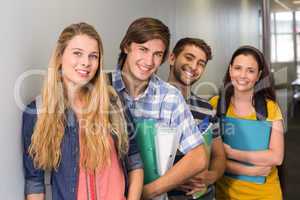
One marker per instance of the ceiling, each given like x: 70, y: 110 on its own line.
x: 284, y: 5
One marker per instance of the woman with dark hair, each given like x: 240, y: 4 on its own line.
x: 247, y: 105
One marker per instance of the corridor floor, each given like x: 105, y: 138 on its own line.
x: 292, y: 159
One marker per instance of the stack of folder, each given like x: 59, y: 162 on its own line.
x: 158, y: 145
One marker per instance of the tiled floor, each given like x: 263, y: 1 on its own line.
x: 292, y: 162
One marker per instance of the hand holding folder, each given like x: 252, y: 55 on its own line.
x: 158, y: 145
x: 206, y: 132
x: 246, y: 135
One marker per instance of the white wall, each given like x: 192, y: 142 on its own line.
x: 224, y: 25
x: 29, y: 30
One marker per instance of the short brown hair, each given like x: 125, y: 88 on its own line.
x: 143, y: 30
x: 192, y: 41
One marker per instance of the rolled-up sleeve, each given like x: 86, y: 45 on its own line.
x: 34, y: 178
x: 182, y: 118
x: 134, y: 158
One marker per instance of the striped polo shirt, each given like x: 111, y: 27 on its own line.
x: 201, y: 109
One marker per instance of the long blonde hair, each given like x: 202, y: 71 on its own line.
x: 45, y: 148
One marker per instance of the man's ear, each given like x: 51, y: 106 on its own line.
x: 126, y: 49
x: 172, y: 59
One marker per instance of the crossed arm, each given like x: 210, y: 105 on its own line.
x: 210, y: 175
x: 192, y: 163
x: 263, y: 161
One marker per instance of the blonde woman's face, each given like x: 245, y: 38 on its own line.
x: 80, y: 61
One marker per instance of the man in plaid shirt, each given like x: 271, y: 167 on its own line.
x: 143, y: 49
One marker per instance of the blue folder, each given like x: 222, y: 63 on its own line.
x: 247, y: 135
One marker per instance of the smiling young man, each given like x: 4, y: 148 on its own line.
x: 143, y: 49
x: 187, y: 64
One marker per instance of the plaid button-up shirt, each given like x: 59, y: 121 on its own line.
x: 165, y: 104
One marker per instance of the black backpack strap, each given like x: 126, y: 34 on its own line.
x: 133, y: 148
x: 127, y: 114
x: 260, y: 106
x: 221, y: 105
x: 221, y: 112
x: 109, y: 76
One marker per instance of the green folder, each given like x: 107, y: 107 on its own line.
x: 146, y: 132
x: 207, y: 139
x: 207, y: 136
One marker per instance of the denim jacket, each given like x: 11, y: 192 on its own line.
x: 64, y: 180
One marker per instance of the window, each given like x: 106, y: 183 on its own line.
x: 297, y: 31
x: 282, y: 45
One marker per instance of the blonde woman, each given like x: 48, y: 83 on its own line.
x: 78, y: 131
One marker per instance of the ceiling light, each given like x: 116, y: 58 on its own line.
x: 282, y: 4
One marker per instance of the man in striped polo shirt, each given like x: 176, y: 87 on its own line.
x: 187, y: 64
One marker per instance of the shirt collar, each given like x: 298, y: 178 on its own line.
x: 71, y: 118
x: 119, y: 84
x: 153, y: 84
x: 117, y: 80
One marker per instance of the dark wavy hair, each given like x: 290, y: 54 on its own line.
x: 264, y: 87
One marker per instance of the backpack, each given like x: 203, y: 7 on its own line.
x: 260, y: 106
